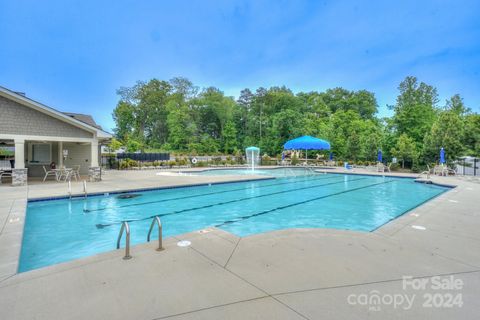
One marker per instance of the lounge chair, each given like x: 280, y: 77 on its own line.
x: 49, y: 173
x: 428, y: 172
x: 383, y: 168
x: 5, y: 174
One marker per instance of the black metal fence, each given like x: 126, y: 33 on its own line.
x: 144, y: 156
x: 112, y: 161
x: 468, y: 166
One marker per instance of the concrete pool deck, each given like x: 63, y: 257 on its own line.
x: 288, y: 274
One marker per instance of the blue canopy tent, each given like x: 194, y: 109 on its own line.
x: 307, y: 143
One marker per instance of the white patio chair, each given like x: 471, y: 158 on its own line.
x: 49, y: 173
x: 76, y: 172
x: 428, y: 172
x: 388, y: 167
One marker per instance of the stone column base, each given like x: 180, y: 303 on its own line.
x: 94, y: 174
x: 19, y: 177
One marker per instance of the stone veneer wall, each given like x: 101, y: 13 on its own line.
x: 95, y: 174
x: 18, y: 119
x: 19, y: 177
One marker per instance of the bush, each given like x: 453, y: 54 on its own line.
x: 394, y: 166
x: 201, y: 164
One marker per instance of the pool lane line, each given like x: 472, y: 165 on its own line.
x: 296, y: 204
x: 100, y: 225
x: 205, y: 194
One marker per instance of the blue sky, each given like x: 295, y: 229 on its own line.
x: 73, y: 55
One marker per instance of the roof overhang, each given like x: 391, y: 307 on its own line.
x: 100, y: 134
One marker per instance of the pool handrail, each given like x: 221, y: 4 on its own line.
x: 125, y: 227
x: 85, y: 189
x: 159, y: 223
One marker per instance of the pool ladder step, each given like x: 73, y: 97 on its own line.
x: 69, y: 189
x: 126, y: 228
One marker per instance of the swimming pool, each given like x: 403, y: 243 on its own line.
x: 275, y: 172
x: 61, y: 230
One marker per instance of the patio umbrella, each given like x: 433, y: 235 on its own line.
x: 379, y: 156
x: 442, y: 156
x: 331, y: 156
x: 307, y: 143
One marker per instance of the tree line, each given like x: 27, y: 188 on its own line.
x: 177, y: 116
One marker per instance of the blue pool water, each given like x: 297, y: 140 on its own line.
x: 61, y: 230
x: 278, y: 172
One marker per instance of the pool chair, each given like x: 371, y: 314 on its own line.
x: 76, y: 172
x: 428, y: 172
x: 383, y: 168
x: 5, y: 174
x: 52, y: 173
x: 347, y: 166
x: 448, y: 171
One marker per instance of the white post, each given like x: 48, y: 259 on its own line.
x: 94, y: 154
x: 19, y: 154
x: 60, y: 154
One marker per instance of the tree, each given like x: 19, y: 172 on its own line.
x: 447, y: 133
x: 229, y: 137
x: 180, y: 125
x: 133, y: 145
x: 456, y: 105
x: 405, y: 149
x: 114, y: 145
x: 124, y: 118
x: 471, y: 137
x: 175, y: 115
x: 415, y: 110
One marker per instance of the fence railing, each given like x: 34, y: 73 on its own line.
x: 468, y: 166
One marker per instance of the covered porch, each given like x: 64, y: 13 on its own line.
x: 33, y: 157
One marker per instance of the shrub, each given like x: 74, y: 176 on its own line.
x: 394, y: 166
x: 201, y: 164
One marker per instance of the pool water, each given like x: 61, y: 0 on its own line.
x: 277, y: 172
x: 61, y: 230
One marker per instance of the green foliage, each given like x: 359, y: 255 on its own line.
x: 178, y: 117
x: 114, y: 145
x: 446, y: 132
x: 405, y: 149
x: 415, y: 110
x: 472, y: 135
x: 4, y: 152
x: 229, y: 135
x: 133, y: 145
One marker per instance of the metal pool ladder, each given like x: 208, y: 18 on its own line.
x: 156, y: 219
x: 84, y: 188
x: 69, y: 188
x: 125, y: 227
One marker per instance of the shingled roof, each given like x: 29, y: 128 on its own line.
x: 85, y: 118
